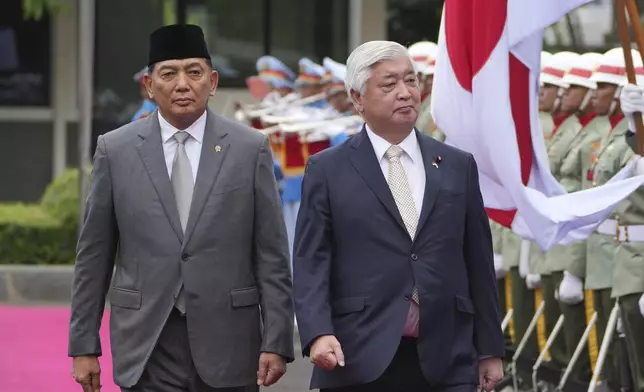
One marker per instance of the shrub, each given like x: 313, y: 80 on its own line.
x: 44, y: 233
x: 61, y: 198
x: 29, y: 235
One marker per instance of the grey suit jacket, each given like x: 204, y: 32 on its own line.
x: 233, y: 258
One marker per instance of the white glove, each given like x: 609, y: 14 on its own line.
x: 620, y: 324
x: 642, y: 305
x: 571, y: 290
x: 632, y: 101
x: 498, y: 266
x: 533, y: 281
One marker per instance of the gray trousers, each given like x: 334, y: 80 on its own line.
x: 170, y: 367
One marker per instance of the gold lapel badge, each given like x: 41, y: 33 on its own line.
x: 217, y: 148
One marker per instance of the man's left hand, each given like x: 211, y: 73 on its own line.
x: 271, y: 368
x: 490, y: 373
x: 641, y: 303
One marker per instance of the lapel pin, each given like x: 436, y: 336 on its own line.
x: 437, y: 160
x: 217, y: 148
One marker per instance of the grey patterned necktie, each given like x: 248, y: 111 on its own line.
x: 183, y: 186
x: 401, y: 191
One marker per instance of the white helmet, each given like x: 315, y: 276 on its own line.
x: 612, y: 70
x: 431, y: 61
x: 545, y: 57
x: 582, y: 70
x: 639, y: 68
x: 612, y: 67
x: 421, y: 53
x: 555, y: 68
x: 580, y: 75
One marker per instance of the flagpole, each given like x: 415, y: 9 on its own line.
x: 624, y: 34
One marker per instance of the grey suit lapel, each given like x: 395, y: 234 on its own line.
x: 213, y: 152
x: 151, y: 152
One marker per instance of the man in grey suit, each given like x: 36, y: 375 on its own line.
x: 185, y: 204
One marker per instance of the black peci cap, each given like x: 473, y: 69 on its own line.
x: 177, y: 42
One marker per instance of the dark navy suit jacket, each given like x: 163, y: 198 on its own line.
x: 355, y: 265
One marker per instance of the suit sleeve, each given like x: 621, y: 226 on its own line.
x: 488, y: 335
x: 95, y: 256
x: 271, y: 258
x: 312, y: 258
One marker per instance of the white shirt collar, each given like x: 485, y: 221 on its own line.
x: 196, y: 130
x: 409, y: 145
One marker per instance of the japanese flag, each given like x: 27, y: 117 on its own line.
x: 485, y: 101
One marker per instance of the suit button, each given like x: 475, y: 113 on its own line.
x: 185, y: 257
x: 407, y: 297
x: 414, y: 256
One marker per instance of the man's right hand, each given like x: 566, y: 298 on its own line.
x: 326, y: 352
x: 87, y: 372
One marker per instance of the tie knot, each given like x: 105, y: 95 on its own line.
x: 181, y: 137
x: 394, y: 152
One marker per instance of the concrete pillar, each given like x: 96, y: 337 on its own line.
x: 64, y: 71
x: 367, y: 21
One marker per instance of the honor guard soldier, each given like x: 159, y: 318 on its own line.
x: 547, y: 99
x: 148, y: 106
x: 335, y: 132
x: 559, y: 143
x: 632, y: 103
x: 281, y: 79
x: 628, y: 275
x: 424, y: 54
x: 523, y: 259
x: 278, y: 76
x: 310, y: 82
x: 336, y: 92
x: 602, y: 278
x: 567, y: 263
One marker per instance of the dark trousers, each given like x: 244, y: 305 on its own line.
x: 634, y: 330
x: 603, y: 306
x: 573, y: 330
x: 403, y: 375
x: 503, y: 309
x: 170, y: 367
x: 523, y: 311
x: 552, y: 311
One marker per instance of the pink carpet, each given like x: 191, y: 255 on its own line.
x: 33, y: 351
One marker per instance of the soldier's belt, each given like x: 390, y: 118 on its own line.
x: 622, y: 233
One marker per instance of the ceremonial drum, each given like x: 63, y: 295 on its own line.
x: 295, y: 150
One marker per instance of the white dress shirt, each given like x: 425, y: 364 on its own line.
x: 412, y: 161
x: 193, y: 143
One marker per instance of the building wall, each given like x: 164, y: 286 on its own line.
x: 42, y: 141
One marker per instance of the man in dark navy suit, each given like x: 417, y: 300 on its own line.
x: 394, y: 280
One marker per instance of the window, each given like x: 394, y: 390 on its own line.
x: 410, y: 21
x: 25, y: 64
x: 240, y: 31
x: 313, y: 28
x: 234, y: 31
x: 122, y: 32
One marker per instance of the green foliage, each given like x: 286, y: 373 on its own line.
x: 61, y: 198
x: 35, y: 9
x: 44, y: 233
